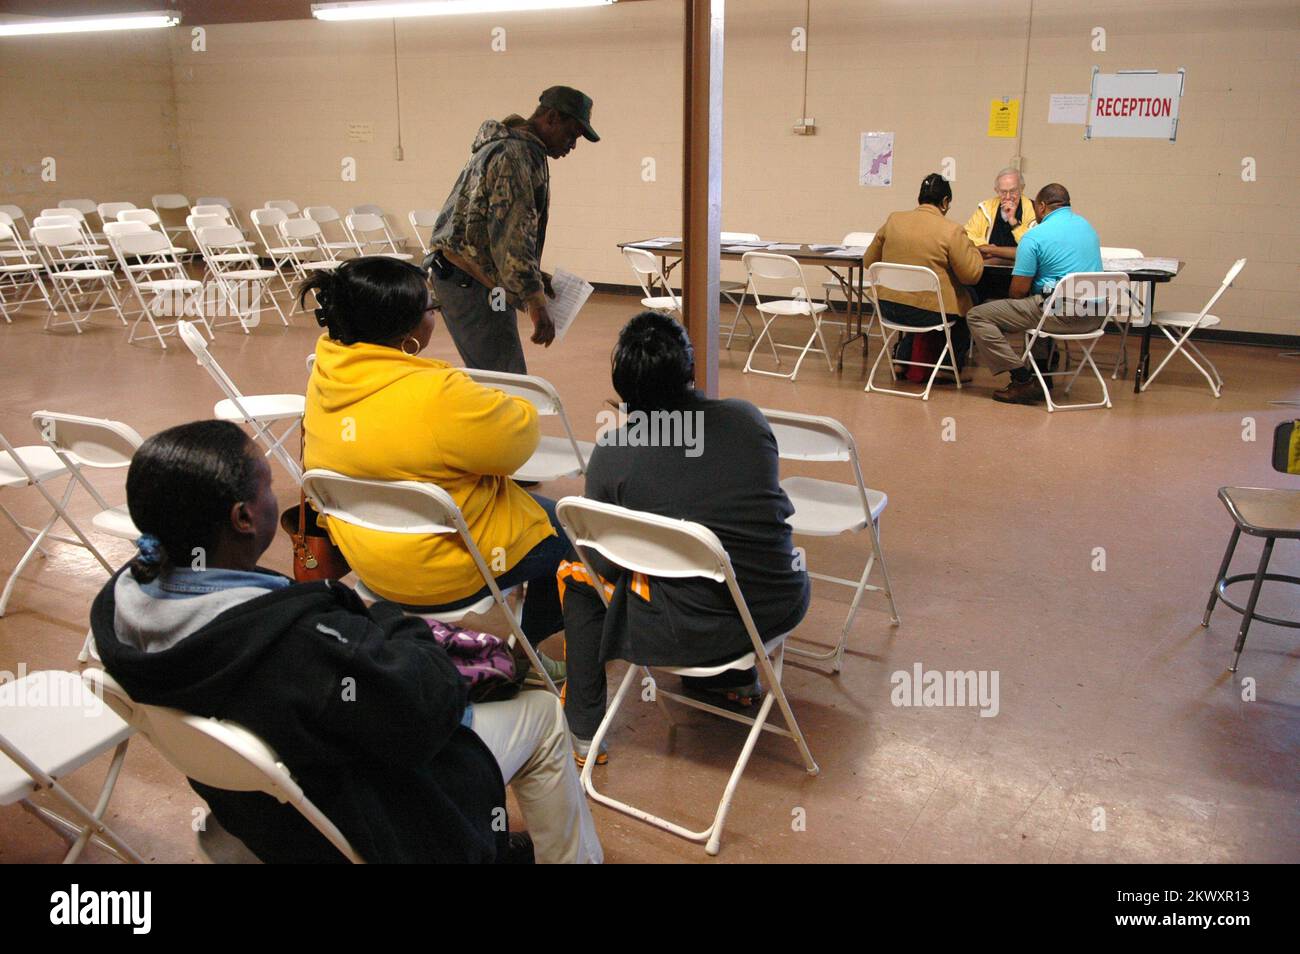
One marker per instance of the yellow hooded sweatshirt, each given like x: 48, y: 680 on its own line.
x: 375, y: 412
x: 980, y: 225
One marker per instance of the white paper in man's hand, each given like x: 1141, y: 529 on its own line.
x: 571, y: 293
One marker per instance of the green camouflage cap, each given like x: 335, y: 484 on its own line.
x: 573, y: 103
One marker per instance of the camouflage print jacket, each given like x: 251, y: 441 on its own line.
x: 495, y: 217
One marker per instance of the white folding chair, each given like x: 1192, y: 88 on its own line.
x: 651, y: 278
x: 19, y: 272
x: 308, y: 252
x: 218, y: 210
x: 678, y: 549
x: 825, y: 508
x: 258, y: 411
x: 223, y: 203
x: 14, y: 249
x: 1081, y: 294
x: 86, y: 207
x: 837, y: 289
x: 109, y: 211
x: 422, y: 219
x: 34, y: 466
x: 148, y: 218
x: 909, y: 278
x: 217, y: 753
x: 91, y: 250
x: 412, y: 507
x: 783, y: 268
x: 1132, y: 314
x: 266, y: 223
x: 61, y: 249
x: 158, y: 273
x: 555, y: 457
x: 369, y: 232
x: 237, y: 272
x: 287, y: 206
x: 1187, y: 322
x: 17, y: 218
x: 172, y: 207
x: 326, y: 216
x: 51, y: 724
x: 736, y: 291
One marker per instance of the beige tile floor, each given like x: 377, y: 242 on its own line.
x: 1112, y: 698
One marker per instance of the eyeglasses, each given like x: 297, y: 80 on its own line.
x: 1008, y: 193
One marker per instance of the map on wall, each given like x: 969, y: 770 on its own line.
x: 876, y: 159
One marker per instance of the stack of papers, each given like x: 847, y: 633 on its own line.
x: 656, y: 243
x: 784, y: 247
x: 1169, y: 265
x: 849, y: 251
x: 824, y: 248
x: 571, y: 293
x: 745, y: 248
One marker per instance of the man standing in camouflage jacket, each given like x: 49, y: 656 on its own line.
x: 487, y: 242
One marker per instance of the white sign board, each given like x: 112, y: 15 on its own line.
x: 1138, y: 104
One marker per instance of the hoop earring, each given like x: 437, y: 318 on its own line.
x: 412, y: 340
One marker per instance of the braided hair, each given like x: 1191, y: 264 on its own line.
x: 374, y: 299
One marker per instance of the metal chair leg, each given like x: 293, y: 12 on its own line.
x: 1223, y: 574
x: 1247, y: 616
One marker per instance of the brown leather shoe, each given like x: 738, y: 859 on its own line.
x: 1020, y: 392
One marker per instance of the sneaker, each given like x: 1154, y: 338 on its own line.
x: 557, y: 670
x: 582, y: 749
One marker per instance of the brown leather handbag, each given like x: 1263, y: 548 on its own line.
x: 315, y: 557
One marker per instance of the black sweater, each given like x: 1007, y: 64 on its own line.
x: 384, y: 757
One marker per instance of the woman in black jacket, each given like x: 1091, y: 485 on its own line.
x: 361, y: 704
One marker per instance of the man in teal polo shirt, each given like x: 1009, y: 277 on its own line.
x: 1061, y: 243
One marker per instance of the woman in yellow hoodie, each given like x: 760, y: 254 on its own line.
x: 377, y: 410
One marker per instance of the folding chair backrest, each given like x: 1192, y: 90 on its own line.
x: 648, y: 273
x: 170, y: 200
x: 1112, y: 288
x: 859, y: 238
x: 809, y: 437
x: 136, y: 238
x: 198, y: 346
x: 147, y: 216
x: 267, y: 223
x: 53, y: 220
x: 216, y: 236
x: 116, y: 229
x: 299, y: 229
x: 217, y: 210
x: 369, y: 209
x: 88, y: 441
x: 6, y: 232
x: 56, y: 236
x: 538, y: 392
x: 60, y: 212
x: 84, y: 206
x: 423, y: 218
x: 365, y: 222
x: 1228, y: 279
x: 321, y: 213
x: 109, y: 211
x: 287, y: 206
x: 220, y: 754
x: 398, y: 506
x: 15, y: 214
x: 214, y: 200
x: 904, y: 278
x: 643, y: 542
x: 774, y: 267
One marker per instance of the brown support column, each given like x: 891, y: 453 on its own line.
x: 702, y: 184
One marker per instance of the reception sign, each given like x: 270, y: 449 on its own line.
x: 1134, y: 104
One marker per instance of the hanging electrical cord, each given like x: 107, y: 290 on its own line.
x: 1024, y: 90
x: 399, y: 155
x: 807, y: 26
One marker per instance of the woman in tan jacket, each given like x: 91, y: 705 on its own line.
x: 924, y: 237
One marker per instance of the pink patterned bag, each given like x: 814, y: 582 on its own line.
x: 484, y: 661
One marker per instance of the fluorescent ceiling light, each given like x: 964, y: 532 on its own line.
x: 390, y: 9
x: 122, y: 21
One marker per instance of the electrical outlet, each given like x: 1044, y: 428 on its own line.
x: 806, y: 127
x: 398, y: 154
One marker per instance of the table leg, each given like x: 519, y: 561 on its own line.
x: 1144, y: 357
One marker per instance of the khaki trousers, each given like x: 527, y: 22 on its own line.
x: 998, y: 327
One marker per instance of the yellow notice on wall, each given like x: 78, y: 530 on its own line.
x: 1004, y: 118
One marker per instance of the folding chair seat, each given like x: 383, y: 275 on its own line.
x: 369, y: 232
x: 51, y: 724
x: 19, y: 272
x: 555, y: 457
x: 218, y: 754
x: 651, y: 278
x: 326, y: 216
x: 148, y: 260
x: 61, y: 250
x: 1187, y: 322
x: 236, y: 271
x: 661, y: 547
x: 917, y: 279
x: 258, y: 411
x: 783, y: 268
x: 421, y: 219
x: 35, y: 466
x: 413, y: 507
x: 1096, y: 294
x: 824, y: 508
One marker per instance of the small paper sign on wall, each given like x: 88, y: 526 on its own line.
x: 1134, y: 104
x: 361, y: 132
x: 1004, y: 118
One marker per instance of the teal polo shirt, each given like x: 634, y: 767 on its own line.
x: 1058, y: 245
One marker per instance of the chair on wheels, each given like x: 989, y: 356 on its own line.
x: 678, y: 549
x: 413, y: 507
x: 50, y: 726
x: 1095, y: 294
x: 916, y: 279
x: 1187, y: 322
x: 555, y: 457
x: 258, y: 411
x: 824, y: 508
x: 770, y: 267
x: 218, y: 754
